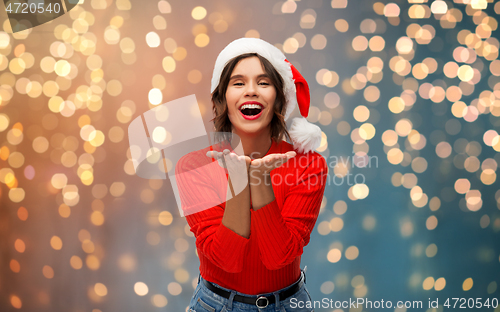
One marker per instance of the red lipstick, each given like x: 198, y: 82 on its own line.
x: 252, y: 117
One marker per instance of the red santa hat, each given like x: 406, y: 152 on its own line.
x: 306, y: 136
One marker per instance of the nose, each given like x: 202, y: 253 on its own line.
x: 251, y: 89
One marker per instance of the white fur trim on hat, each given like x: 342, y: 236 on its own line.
x: 266, y: 50
x: 306, y: 136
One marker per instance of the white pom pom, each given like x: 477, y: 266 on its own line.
x: 306, y: 136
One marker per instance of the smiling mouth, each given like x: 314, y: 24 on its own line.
x: 251, y: 111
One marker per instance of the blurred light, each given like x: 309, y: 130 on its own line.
x: 339, y: 4
x: 199, y: 13
x: 155, y: 96
x: 165, y: 218
x: 318, y: 42
x: 359, y: 43
x: 289, y: 6
x: 290, y: 46
x: 391, y: 10
x: 76, y: 262
x: 202, y: 40
x: 404, y: 45
x: 341, y: 25
x: 168, y: 64
x: 164, y: 7
x: 467, y: 284
x: 352, y: 252
x: 16, y: 302
x: 159, y: 22
x: 47, y: 271
x: 334, y: 255
x: 439, y: 7
x: 308, y: 19
x: 174, y: 288
x: 431, y: 250
x: 428, y: 283
x: 152, y: 39
x: 194, y: 76
x: 159, y: 301
x: 100, y: 289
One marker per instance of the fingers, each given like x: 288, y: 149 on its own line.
x: 281, y: 158
x: 273, y: 161
x: 214, y: 154
x: 268, y: 159
x: 219, y: 155
x: 230, y: 160
x: 280, y: 161
x: 287, y: 156
x: 229, y: 157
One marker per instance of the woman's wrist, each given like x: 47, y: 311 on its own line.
x: 257, y: 177
x: 261, y: 189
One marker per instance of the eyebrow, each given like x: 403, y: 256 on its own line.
x: 241, y: 76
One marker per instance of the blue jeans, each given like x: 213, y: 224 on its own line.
x: 204, y: 300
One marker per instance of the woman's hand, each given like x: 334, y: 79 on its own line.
x: 237, y: 167
x: 264, y: 166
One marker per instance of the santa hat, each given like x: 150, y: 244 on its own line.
x: 306, y: 136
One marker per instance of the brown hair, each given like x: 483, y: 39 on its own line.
x: 221, y: 119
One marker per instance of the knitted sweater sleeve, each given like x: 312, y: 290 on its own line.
x: 203, y: 206
x: 283, y: 233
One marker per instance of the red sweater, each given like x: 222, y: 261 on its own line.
x: 270, y: 258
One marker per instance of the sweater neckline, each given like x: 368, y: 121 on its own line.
x: 273, y: 149
x: 277, y: 147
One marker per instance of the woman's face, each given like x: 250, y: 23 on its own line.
x: 250, y: 98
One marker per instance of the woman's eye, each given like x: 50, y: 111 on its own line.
x: 264, y: 83
x: 238, y: 84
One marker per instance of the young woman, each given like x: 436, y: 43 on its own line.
x: 250, y: 243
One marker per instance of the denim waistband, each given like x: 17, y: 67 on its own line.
x: 301, y: 281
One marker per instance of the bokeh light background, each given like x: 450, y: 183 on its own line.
x: 407, y: 94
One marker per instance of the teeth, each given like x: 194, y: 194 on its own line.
x: 250, y: 106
